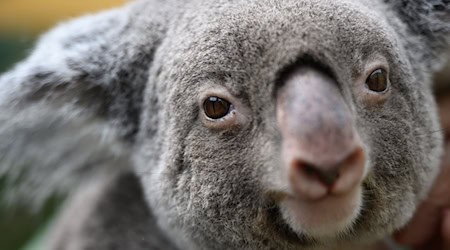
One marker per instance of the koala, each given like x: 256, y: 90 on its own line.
x: 256, y: 124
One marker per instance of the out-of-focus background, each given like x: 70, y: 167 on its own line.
x: 21, y: 22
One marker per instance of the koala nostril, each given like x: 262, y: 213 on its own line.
x: 327, y: 177
x: 311, y: 181
x: 352, y: 171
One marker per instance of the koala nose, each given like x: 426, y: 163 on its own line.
x: 311, y: 181
x: 322, y: 151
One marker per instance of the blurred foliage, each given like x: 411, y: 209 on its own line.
x: 19, y: 224
x: 12, y: 49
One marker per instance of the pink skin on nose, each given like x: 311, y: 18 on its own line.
x: 321, y: 147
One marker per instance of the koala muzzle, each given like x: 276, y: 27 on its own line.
x: 322, y: 151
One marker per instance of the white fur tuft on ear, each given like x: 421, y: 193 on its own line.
x: 54, y: 152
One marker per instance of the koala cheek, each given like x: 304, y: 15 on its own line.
x: 322, y: 154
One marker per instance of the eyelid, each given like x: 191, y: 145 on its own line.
x: 373, y: 63
x: 209, y: 93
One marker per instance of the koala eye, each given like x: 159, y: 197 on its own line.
x: 216, y: 107
x: 378, y: 81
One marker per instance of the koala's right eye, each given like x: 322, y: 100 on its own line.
x: 216, y: 107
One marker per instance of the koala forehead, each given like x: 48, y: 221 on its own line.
x: 257, y: 39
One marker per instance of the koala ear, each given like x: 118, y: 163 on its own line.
x: 429, y: 19
x: 71, y: 109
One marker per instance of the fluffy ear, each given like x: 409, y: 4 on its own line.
x: 71, y: 110
x: 428, y: 19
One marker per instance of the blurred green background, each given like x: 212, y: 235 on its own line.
x: 21, y: 22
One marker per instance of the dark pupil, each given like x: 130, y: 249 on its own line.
x: 377, y: 81
x: 216, y: 107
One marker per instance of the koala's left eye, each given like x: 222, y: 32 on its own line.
x: 216, y: 107
x: 378, y: 81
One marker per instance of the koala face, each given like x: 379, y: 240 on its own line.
x: 286, y: 124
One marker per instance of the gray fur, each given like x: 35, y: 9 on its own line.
x: 115, y: 96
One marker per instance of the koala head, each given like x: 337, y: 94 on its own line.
x: 293, y: 123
